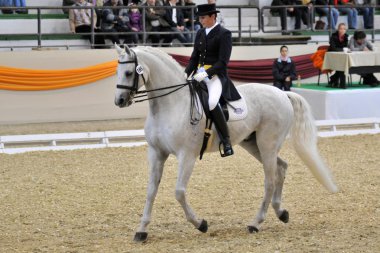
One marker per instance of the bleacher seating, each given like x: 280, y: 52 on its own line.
x: 54, y: 21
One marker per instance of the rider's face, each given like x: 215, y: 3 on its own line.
x: 207, y: 21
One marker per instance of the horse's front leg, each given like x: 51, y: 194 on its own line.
x: 156, y: 160
x: 186, y: 166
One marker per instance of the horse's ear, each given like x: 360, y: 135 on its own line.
x: 119, y: 50
x: 127, y: 50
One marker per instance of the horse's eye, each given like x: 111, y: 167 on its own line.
x: 128, y: 73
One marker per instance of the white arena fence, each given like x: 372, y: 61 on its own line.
x: 13, y: 144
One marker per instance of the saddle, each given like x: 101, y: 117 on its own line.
x: 233, y: 111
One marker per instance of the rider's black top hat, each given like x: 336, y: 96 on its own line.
x: 206, y: 9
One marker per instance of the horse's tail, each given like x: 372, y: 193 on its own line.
x: 304, y: 137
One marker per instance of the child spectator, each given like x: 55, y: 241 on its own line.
x: 135, y: 19
x: 284, y: 70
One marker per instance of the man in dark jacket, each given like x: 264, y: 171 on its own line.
x: 284, y: 70
x: 174, y: 17
x: 338, y: 41
x: 208, y: 63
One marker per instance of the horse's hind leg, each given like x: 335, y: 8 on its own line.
x: 282, y: 214
x: 156, y: 163
x: 186, y: 165
x: 251, y: 146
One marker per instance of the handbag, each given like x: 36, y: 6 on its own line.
x: 155, y: 23
x: 320, y: 25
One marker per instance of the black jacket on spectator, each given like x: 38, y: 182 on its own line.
x: 168, y: 16
x: 214, y: 49
x: 336, y: 44
x: 283, y: 69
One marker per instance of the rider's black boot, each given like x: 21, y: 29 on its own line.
x: 221, y: 125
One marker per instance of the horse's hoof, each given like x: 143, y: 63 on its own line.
x: 252, y: 229
x: 140, y: 236
x: 284, y: 216
x: 203, y: 227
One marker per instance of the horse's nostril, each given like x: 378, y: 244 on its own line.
x: 121, y: 101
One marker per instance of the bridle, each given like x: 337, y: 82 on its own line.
x: 139, y: 71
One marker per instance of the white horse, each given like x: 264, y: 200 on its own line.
x: 272, y: 114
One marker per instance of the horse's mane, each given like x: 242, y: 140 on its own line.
x: 163, y: 56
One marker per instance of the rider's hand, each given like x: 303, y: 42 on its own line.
x: 199, y: 77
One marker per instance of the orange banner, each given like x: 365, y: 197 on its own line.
x: 17, y: 79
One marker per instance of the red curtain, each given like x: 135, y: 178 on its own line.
x: 260, y: 70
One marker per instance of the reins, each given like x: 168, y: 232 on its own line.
x: 144, y: 93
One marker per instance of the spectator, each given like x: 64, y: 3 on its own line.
x: 298, y: 13
x: 174, y: 17
x: 80, y: 22
x: 284, y: 70
x: 135, y: 19
x: 358, y: 42
x: 338, y: 41
x: 154, y: 20
x: 219, y: 17
x: 188, y: 15
x: 116, y: 20
x: 364, y: 8
x: 334, y: 15
x: 349, y: 10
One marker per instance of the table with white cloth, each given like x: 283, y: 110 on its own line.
x: 358, y: 62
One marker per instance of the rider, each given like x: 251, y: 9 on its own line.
x: 211, y: 54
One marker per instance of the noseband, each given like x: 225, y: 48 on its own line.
x: 139, y: 70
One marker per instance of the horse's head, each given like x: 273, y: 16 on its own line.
x: 130, y: 76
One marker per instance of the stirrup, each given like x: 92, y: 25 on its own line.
x: 226, y: 152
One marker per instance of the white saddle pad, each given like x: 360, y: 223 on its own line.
x: 237, y: 110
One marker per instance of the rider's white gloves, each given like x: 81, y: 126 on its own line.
x: 199, y: 77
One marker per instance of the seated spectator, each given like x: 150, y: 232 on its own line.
x: 284, y: 70
x: 188, y: 15
x: 364, y: 8
x: 174, y: 17
x: 219, y: 17
x: 155, y: 21
x: 334, y: 15
x: 135, y: 20
x: 338, y: 41
x: 80, y: 22
x: 298, y: 13
x: 352, y: 13
x: 358, y: 42
x: 116, y: 20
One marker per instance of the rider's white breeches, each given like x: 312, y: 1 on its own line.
x: 214, y: 87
